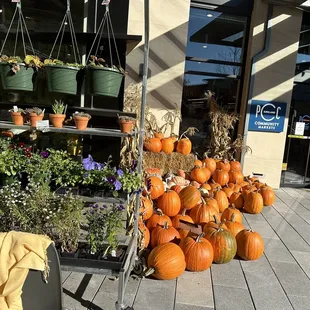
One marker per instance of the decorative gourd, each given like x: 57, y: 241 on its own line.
x: 228, y: 191
x: 180, y: 181
x: 167, y: 145
x: 195, y: 184
x: 268, y: 195
x: 231, y: 210
x: 153, y: 172
x: 221, y: 199
x: 234, y: 226
x: 200, y: 174
x: 203, y: 213
x: 223, y: 165
x: 189, y: 196
x: 146, y: 208
x: 209, y: 163
x: 254, y: 203
x: 215, y: 224
x: 145, y: 235
x: 170, y: 203
x: 235, y: 177
x: 221, y: 177
x: 166, y: 262
x: 176, y: 219
x: 152, y: 145
x: 181, y: 173
x: 198, y: 253
x: 155, y: 187
x: 237, y: 199
x: 159, y: 135
x: 198, y: 163
x: 184, y: 146
x: 158, y: 218
x: 235, y: 165
x: 224, y: 244
x: 250, y: 245
x: 163, y: 234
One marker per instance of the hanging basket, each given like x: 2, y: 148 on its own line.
x: 64, y: 79
x: 103, y: 81
x: 23, y: 80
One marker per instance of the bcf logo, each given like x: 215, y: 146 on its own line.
x: 268, y: 109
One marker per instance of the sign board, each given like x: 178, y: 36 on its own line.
x: 267, y: 116
x: 300, y: 129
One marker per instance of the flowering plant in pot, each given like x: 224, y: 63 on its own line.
x: 126, y: 123
x: 35, y: 115
x: 59, y: 115
x: 81, y: 120
x: 17, y: 115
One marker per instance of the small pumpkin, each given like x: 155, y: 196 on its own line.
x: 209, y: 163
x: 234, y: 226
x: 203, y: 213
x: 215, y: 186
x: 224, y: 244
x: 228, y: 191
x: 152, y: 145
x: 198, y: 253
x: 268, y: 195
x: 237, y: 199
x: 146, y: 208
x: 235, y: 177
x: 254, y: 203
x: 221, y: 199
x: 198, y: 163
x: 158, y: 218
x: 215, y: 224
x: 206, y: 186
x: 223, y: 165
x: 145, y: 235
x: 184, y: 146
x: 221, y: 177
x: 181, y: 173
x: 231, y: 210
x: 170, y: 203
x: 159, y: 135
x: 176, y: 219
x: 200, y: 174
x: 153, y: 172
x: 166, y: 262
x: 177, y: 188
x: 163, y: 234
x: 250, y: 245
x: 167, y: 145
x: 235, y: 166
x: 155, y: 187
x: 189, y: 196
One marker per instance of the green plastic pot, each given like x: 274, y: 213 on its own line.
x: 64, y: 79
x: 103, y: 81
x: 23, y: 80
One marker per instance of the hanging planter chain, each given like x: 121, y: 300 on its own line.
x: 21, y: 23
x: 67, y: 20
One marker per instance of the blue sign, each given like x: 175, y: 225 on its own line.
x: 267, y: 116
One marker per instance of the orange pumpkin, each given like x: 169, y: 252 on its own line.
x: 159, y: 135
x: 184, y: 146
x: 250, y: 245
x: 153, y: 172
x: 235, y: 165
x: 189, y: 196
x: 234, y: 226
x: 157, y: 218
x: 221, y: 199
x: 198, y: 253
x: 177, y: 188
x: 203, y: 213
x: 166, y: 262
x: 209, y: 163
x: 268, y: 195
x: 231, y: 210
x: 167, y: 145
x: 223, y: 165
x: 254, y: 203
x: 152, y: 145
x: 228, y: 191
x: 221, y: 177
x: 247, y: 189
x: 237, y: 199
x: 169, y: 203
x: 164, y: 234
x: 200, y: 175
x: 235, y: 177
x: 215, y: 186
x: 146, y: 208
x: 197, y: 163
x: 155, y: 187
x: 206, y: 186
x: 145, y: 235
x: 215, y: 224
x: 176, y: 219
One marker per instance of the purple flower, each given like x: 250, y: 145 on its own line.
x: 45, y: 154
x: 96, y: 206
x: 103, y: 207
x: 118, y: 185
x: 112, y: 179
x: 92, y: 211
x: 120, y: 172
x: 89, y: 163
x: 99, y: 166
x: 120, y: 208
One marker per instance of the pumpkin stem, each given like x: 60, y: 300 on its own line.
x: 160, y: 212
x: 215, y: 219
x: 183, y: 212
x: 200, y: 236
x: 232, y: 219
x: 166, y: 225
x: 233, y: 206
x: 220, y: 226
x: 203, y: 200
x: 149, y: 272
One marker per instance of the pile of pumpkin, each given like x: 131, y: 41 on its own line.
x: 212, y: 196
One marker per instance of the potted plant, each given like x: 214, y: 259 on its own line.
x: 102, y: 79
x: 126, y: 123
x: 66, y: 78
x: 81, y: 120
x: 59, y: 116
x: 17, y: 115
x: 19, y: 74
x: 34, y: 115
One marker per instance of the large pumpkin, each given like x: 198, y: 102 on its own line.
x: 235, y: 165
x: 166, y: 261
x: 254, y: 203
x: 223, y: 165
x: 221, y: 177
x: 198, y: 253
x: 170, y: 203
x: 152, y: 145
x: 224, y: 244
x: 234, y: 226
x: 163, y: 234
x: 215, y: 224
x: 158, y: 218
x: 155, y: 187
x: 237, y: 199
x: 146, y: 208
x: 221, y: 199
x: 145, y: 235
x: 235, y: 177
x: 200, y: 174
x: 268, y: 195
x: 231, y: 210
x: 167, y: 145
x: 209, y: 163
x: 203, y: 213
x: 250, y: 245
x: 184, y: 146
x: 190, y: 197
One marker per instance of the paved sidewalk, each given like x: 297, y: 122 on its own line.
x: 280, y: 280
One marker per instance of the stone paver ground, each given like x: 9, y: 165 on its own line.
x: 280, y: 280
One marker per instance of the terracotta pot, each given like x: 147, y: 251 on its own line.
x: 125, y: 125
x: 34, y: 118
x: 81, y: 122
x: 17, y: 118
x: 57, y: 120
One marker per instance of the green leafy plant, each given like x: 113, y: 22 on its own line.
x: 35, y: 110
x: 82, y: 114
x: 18, y: 110
x: 58, y: 107
x: 54, y: 62
x: 15, y: 62
x: 101, y: 63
